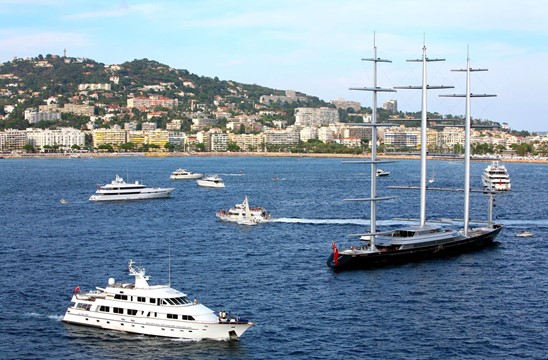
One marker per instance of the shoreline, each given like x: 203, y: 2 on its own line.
x: 261, y: 154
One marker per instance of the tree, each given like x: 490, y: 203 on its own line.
x: 29, y: 148
x: 231, y: 146
x: 129, y: 146
x: 169, y: 146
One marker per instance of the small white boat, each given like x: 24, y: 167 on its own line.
x: 242, y: 214
x: 524, y: 233
x: 213, y: 181
x: 381, y: 172
x: 155, y: 310
x: 182, y: 174
x: 63, y: 201
x: 119, y: 190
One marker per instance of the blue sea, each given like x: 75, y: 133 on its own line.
x: 485, y: 305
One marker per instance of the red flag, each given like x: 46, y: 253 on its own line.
x: 76, y: 289
x: 335, y: 253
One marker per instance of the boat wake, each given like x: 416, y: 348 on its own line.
x: 394, y: 222
x: 45, y: 316
x: 337, y: 221
x: 530, y: 222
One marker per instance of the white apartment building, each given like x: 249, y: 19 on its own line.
x: 308, y: 133
x: 217, y: 140
x: 287, y: 136
x: 13, y: 139
x: 248, y: 142
x: 105, y: 86
x: 174, y: 125
x: 316, y: 116
x: 33, y: 116
x: 64, y: 137
x: 450, y: 136
x: 148, y: 126
x: 402, y: 136
x: 131, y: 125
x: 177, y: 138
x: 326, y: 134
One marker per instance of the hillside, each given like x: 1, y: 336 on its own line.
x: 28, y: 83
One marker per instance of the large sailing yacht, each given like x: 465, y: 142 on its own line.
x: 422, y: 241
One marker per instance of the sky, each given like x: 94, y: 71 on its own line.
x: 312, y: 46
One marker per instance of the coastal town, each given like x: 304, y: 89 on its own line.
x: 156, y: 116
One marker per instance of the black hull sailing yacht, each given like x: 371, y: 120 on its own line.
x: 423, y: 241
x: 398, y: 252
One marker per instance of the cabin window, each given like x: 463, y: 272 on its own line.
x: 141, y: 299
x: 120, y: 297
x: 168, y: 302
x: 176, y: 301
x: 83, y: 306
x: 104, y: 308
x: 152, y: 301
x: 131, y: 312
x: 117, y: 310
x: 173, y: 316
x: 187, y: 317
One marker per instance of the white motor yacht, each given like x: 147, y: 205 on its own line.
x: 495, y: 177
x: 155, y: 310
x: 182, y: 174
x: 381, y: 172
x: 211, y: 181
x: 119, y: 190
x: 243, y: 214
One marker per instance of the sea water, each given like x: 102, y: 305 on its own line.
x: 488, y: 305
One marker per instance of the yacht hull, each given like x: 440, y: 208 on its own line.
x: 144, y: 326
x: 163, y: 193
x: 370, y: 260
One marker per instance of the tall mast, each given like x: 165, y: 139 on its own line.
x: 467, y: 126
x: 373, y: 161
x: 424, y: 124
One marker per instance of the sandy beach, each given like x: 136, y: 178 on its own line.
x: 263, y: 154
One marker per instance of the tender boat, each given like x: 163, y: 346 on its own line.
x: 155, y: 310
x: 524, y: 233
x: 423, y: 241
x: 382, y: 172
x: 243, y: 214
x: 182, y: 174
x: 495, y: 177
x: 211, y: 181
x: 119, y: 190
